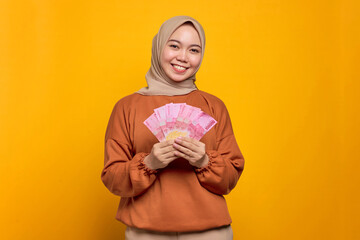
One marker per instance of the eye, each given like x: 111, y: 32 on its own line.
x: 173, y: 46
x: 194, y: 50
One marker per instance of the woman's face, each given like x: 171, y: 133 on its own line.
x: 182, y: 53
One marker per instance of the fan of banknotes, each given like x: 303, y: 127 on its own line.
x: 179, y: 119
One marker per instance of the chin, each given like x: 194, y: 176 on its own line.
x: 178, y: 80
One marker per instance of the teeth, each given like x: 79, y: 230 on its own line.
x: 178, y: 67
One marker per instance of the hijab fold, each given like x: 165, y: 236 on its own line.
x: 157, y: 80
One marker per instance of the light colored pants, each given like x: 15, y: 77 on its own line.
x: 223, y: 233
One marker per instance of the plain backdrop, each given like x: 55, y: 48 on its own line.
x: 288, y: 72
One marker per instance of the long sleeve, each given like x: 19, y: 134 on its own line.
x: 226, y: 163
x: 179, y: 197
x: 124, y: 173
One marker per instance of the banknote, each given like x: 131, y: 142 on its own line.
x: 172, y: 112
x: 160, y: 114
x: 173, y: 120
x: 185, y: 114
x: 175, y: 133
x: 201, y: 125
x: 153, y: 125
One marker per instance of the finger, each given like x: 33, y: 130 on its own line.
x: 186, y: 144
x: 169, y: 155
x: 169, y: 160
x: 183, y: 155
x: 167, y: 149
x: 163, y: 146
x: 189, y: 140
x: 184, y: 150
x: 166, y: 143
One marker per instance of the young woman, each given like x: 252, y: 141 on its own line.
x: 172, y: 189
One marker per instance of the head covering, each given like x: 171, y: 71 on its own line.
x: 158, y: 82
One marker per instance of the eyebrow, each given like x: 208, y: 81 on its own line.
x: 195, y: 45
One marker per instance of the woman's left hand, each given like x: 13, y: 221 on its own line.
x: 192, y: 150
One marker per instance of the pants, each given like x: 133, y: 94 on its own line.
x: 223, y: 233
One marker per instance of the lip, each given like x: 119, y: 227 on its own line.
x: 178, y: 65
x: 177, y: 70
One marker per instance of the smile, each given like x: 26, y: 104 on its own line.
x: 178, y: 68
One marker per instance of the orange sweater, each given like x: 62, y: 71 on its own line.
x: 178, y: 198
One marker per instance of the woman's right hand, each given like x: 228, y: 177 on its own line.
x: 161, y: 155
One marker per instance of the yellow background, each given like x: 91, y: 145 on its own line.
x: 288, y: 71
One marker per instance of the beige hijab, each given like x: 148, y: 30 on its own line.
x: 157, y: 80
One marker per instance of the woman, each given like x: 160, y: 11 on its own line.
x: 172, y: 189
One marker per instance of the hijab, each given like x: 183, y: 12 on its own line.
x: 157, y: 80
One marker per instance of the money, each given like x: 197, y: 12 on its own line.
x: 153, y: 125
x: 160, y: 114
x: 179, y: 119
x: 172, y: 112
x: 201, y: 125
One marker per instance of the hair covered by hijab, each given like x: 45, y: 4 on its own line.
x: 157, y: 80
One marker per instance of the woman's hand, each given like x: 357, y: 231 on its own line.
x: 192, y: 150
x: 161, y: 155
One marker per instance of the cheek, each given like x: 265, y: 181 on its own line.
x: 167, y: 55
x: 195, y: 61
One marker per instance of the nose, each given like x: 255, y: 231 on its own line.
x: 182, y: 56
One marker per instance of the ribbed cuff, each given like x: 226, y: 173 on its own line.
x: 211, y: 155
x: 142, y: 165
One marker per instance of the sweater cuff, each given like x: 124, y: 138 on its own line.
x: 142, y: 165
x: 211, y: 155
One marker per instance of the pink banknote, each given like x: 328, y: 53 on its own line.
x: 201, y: 125
x: 179, y: 119
x: 160, y: 114
x: 186, y: 113
x: 172, y: 112
x: 153, y: 125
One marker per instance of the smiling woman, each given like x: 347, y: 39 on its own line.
x: 172, y: 189
x: 181, y: 56
x: 183, y: 35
